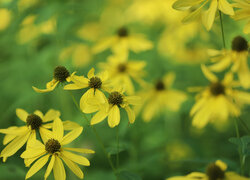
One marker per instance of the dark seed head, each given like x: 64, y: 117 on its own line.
x: 159, y: 86
x: 52, y: 146
x: 239, y: 44
x: 122, y: 67
x: 115, y: 98
x: 61, y: 73
x: 214, y: 172
x: 95, y: 82
x: 122, y: 32
x: 34, y: 121
x: 217, y: 88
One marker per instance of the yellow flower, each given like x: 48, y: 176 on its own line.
x: 214, y: 171
x: 61, y: 75
x: 5, y: 15
x: 111, y: 108
x: 217, y: 101
x: 243, y: 13
x: 121, y: 72
x: 18, y: 136
x: 53, y: 148
x: 123, y: 41
x: 237, y: 57
x: 161, y: 97
x: 80, y: 54
x: 94, y: 83
x: 208, y: 15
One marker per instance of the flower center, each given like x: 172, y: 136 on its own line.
x: 61, y: 73
x: 34, y: 121
x: 217, y: 89
x: 214, y: 172
x: 239, y: 44
x: 122, y: 32
x: 122, y: 67
x: 159, y: 86
x: 115, y: 98
x: 52, y: 146
x: 95, y: 82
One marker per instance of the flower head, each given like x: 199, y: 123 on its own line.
x: 53, y: 148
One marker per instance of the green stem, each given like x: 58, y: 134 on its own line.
x: 117, y: 140
x: 239, y: 149
x: 222, y: 30
x: 244, y: 125
x: 97, y: 136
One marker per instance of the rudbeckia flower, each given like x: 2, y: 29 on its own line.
x: 243, y: 13
x: 54, y: 149
x: 237, y: 57
x: 111, y: 108
x: 5, y: 15
x: 18, y: 136
x: 214, y: 171
x: 217, y: 101
x: 122, y: 71
x: 94, y: 83
x: 61, y: 75
x: 198, y: 6
x: 122, y: 41
x: 160, y: 97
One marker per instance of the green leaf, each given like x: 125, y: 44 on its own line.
x: 126, y: 175
x: 112, y: 150
x: 243, y: 143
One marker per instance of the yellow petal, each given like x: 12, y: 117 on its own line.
x: 39, y: 113
x: 13, y: 130
x: 133, y: 100
x: 22, y: 114
x: 209, y: 15
x: 150, y: 110
x: 72, y: 87
x: 58, y: 169
x: 37, y: 166
x: 138, y: 44
x: 58, y: 129
x: 69, y: 125
x: 84, y: 102
x: 209, y: 75
x: 49, y: 87
x: 104, y: 44
x: 51, y: 115
x: 32, y: 152
x: 195, y: 15
x: 29, y: 161
x: 98, y: 117
x: 45, y: 134
x: 91, y: 73
x: 114, y: 116
x: 186, y: 4
x: 76, y: 158
x: 131, y: 114
x: 80, y: 150
x: 225, y: 7
x: 221, y: 164
x: 71, y: 136
x: 221, y: 65
x: 73, y: 167
x: 7, y: 138
x: 50, y: 167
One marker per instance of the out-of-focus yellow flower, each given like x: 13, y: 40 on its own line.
x: 198, y: 6
x: 80, y: 54
x: 94, y: 83
x: 111, y: 107
x: 178, y: 151
x: 24, y: 4
x: 217, y: 101
x: 214, y: 171
x: 243, y: 13
x: 33, y: 30
x: 61, y: 75
x: 18, y: 136
x: 5, y: 15
x: 53, y: 147
x: 161, y: 97
x: 121, y: 71
x: 237, y: 57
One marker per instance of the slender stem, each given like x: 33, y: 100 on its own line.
x: 97, y: 136
x: 239, y: 149
x: 117, y: 154
x: 222, y: 30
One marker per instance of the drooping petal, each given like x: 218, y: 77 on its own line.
x: 50, y: 167
x: 58, y: 169
x: 80, y: 150
x: 50, y: 86
x: 131, y: 114
x: 209, y: 75
x: 76, y: 158
x: 91, y: 73
x: 73, y: 167
x: 45, y: 134
x: 51, y: 115
x: 114, y: 116
x: 209, y: 15
x: 69, y: 125
x: 58, y: 129
x: 22, y: 114
x: 186, y: 4
x: 68, y: 138
x: 225, y: 7
x: 98, y: 117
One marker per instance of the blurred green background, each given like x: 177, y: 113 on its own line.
x: 164, y: 147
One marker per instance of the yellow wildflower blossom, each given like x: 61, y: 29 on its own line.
x: 208, y: 15
x: 214, y: 171
x: 53, y: 148
x: 5, y: 15
x: 122, y: 42
x: 94, y: 83
x: 243, y: 13
x: 111, y: 108
x: 237, y: 57
x: 161, y: 97
x: 18, y: 136
x: 61, y: 75
x: 217, y: 101
x: 121, y: 71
